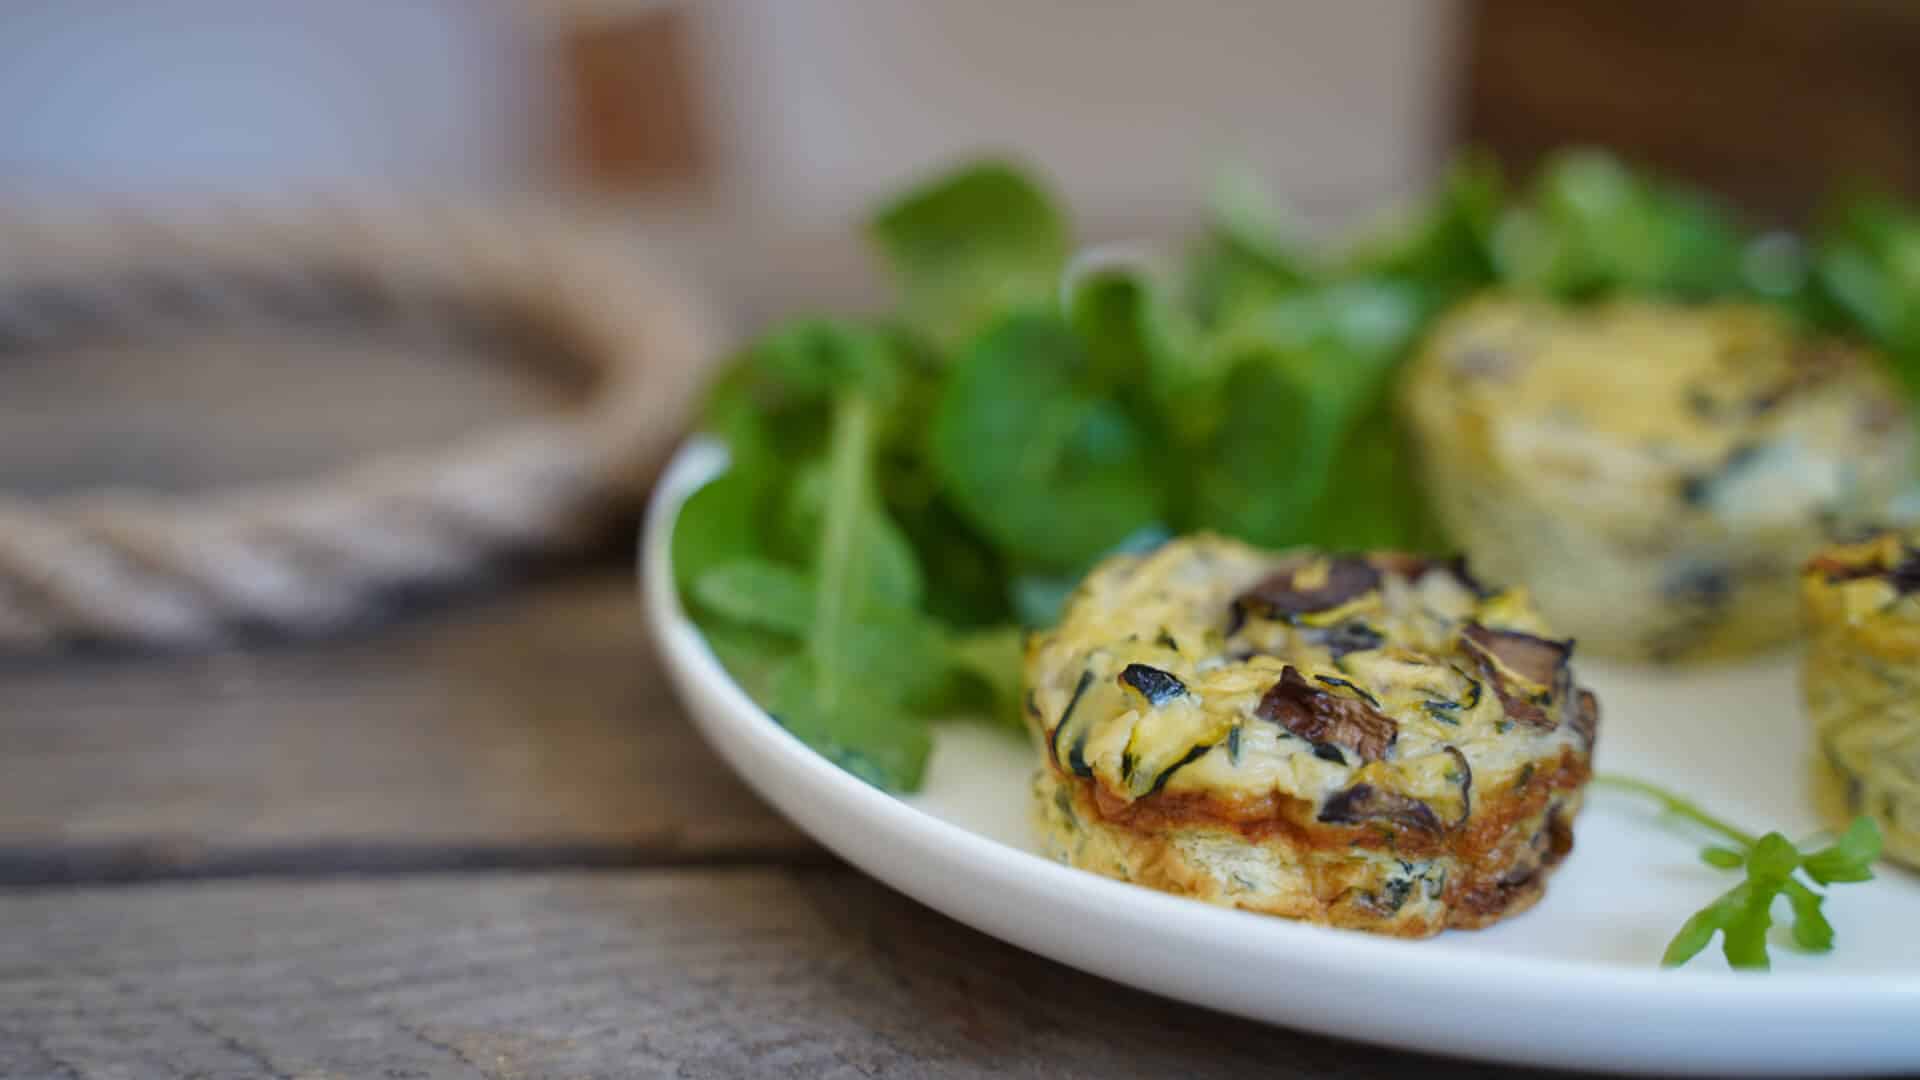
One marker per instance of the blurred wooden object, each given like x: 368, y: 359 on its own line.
x: 1771, y: 101
x: 630, y: 86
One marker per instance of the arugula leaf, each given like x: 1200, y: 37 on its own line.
x: 1139, y: 344
x: 1248, y: 259
x: 752, y: 656
x: 1268, y: 462
x: 966, y: 579
x: 890, y: 567
x: 876, y: 739
x: 1593, y: 227
x: 1052, y: 472
x: 858, y: 567
x: 1743, y: 914
x: 758, y: 593
x: 991, y: 661
x: 1374, y: 498
x: 1038, y: 598
x: 716, y: 525
x: 1445, y: 247
x: 1308, y: 370
x: 1866, y: 271
x: 971, y: 244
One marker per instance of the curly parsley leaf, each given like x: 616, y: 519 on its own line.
x: 1742, y: 915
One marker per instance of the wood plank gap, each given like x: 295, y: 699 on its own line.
x: 35, y: 866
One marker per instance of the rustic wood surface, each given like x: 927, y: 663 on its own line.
x: 743, y: 972
x: 522, y: 733
x: 527, y: 727
x: 478, y: 840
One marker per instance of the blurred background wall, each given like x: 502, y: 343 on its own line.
x: 181, y: 97
x: 746, y: 134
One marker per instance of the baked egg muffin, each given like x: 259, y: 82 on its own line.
x: 1374, y: 742
x: 1862, y: 683
x: 1654, y: 474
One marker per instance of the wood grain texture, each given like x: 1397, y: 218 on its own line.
x: 663, y: 973
x: 515, y: 729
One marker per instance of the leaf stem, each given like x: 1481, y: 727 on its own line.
x: 846, y: 489
x: 1675, y: 804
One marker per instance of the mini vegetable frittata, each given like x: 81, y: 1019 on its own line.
x: 1371, y: 741
x: 1655, y: 474
x: 1862, y: 683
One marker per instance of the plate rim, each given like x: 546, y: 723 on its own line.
x: 1435, y: 964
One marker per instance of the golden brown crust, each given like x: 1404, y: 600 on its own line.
x: 1498, y: 859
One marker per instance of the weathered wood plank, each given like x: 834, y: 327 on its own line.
x: 693, y: 973
x: 532, y: 722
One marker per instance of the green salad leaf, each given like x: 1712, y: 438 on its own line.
x: 969, y: 245
x: 1050, y: 469
x: 1444, y: 248
x: 1866, y: 270
x: 1248, y: 258
x: 1594, y: 226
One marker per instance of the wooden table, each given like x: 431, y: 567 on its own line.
x: 477, y: 840
x: 484, y: 841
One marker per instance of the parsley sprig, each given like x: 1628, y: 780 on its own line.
x: 1775, y: 867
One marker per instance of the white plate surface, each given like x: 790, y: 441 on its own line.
x: 1573, y: 982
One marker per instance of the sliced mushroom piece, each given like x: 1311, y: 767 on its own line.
x: 1524, y: 670
x: 1321, y: 716
x: 1585, y: 717
x: 1417, y: 567
x: 1318, y: 585
x: 1363, y: 804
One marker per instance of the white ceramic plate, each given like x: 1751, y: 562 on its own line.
x: 1572, y: 983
